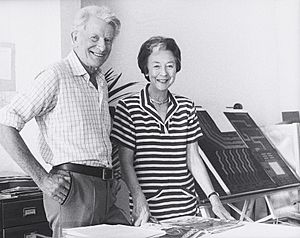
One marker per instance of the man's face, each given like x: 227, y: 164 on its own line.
x: 93, y: 43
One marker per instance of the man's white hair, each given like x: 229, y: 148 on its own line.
x: 103, y: 13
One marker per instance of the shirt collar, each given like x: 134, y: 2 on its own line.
x: 77, y: 67
x: 148, y: 106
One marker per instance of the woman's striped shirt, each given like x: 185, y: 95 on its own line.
x: 160, y: 151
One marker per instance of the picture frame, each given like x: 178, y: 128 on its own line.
x: 7, y: 69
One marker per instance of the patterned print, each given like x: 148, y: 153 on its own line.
x: 71, y: 113
x: 160, y: 151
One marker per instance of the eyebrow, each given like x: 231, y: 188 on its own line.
x: 171, y: 61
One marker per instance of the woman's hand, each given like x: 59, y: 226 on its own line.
x: 218, y: 208
x: 140, y: 213
x: 115, y: 186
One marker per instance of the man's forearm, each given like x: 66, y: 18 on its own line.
x: 15, y: 146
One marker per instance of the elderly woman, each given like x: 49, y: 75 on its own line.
x: 157, y: 133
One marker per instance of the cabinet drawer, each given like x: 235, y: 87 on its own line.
x: 28, y: 231
x: 24, y: 212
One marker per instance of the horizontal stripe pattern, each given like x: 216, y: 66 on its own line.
x: 160, y: 151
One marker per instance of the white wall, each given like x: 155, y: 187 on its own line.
x: 243, y: 51
x: 288, y: 16
x: 67, y: 10
x: 34, y: 27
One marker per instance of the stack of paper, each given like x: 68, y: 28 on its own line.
x: 17, y: 191
x: 112, y: 231
x: 17, y: 185
x: 187, y: 226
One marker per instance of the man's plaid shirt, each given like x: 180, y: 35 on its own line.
x: 71, y: 113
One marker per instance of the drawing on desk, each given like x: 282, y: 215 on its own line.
x: 262, y: 149
x: 191, y: 226
x: 240, y: 161
x: 231, y: 159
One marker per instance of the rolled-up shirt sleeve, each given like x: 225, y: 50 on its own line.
x: 39, y: 99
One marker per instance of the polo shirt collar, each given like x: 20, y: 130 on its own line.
x: 148, y: 106
x: 77, y: 67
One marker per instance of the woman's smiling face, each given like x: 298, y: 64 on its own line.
x: 161, y: 68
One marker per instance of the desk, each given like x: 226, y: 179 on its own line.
x: 188, y: 227
x: 252, y: 230
x: 249, y: 200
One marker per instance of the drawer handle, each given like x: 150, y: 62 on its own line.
x: 31, y: 235
x: 28, y: 211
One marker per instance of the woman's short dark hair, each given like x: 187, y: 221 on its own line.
x: 161, y: 42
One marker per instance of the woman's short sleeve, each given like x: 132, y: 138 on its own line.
x: 123, y: 130
x: 194, y: 129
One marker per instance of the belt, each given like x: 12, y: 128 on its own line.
x: 101, y: 172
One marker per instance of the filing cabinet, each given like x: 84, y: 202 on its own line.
x: 23, y: 217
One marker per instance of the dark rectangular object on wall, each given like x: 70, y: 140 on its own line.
x: 291, y: 116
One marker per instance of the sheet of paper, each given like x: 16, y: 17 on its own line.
x: 194, y: 226
x: 112, y: 231
x: 251, y: 230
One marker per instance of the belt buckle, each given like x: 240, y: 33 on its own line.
x: 107, y: 174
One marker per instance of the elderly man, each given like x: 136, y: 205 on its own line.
x: 69, y: 101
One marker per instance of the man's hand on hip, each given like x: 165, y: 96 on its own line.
x: 56, y: 185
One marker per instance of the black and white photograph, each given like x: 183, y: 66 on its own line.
x: 149, y: 118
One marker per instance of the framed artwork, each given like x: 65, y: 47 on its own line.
x: 7, y: 69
